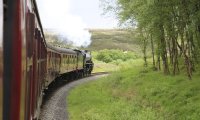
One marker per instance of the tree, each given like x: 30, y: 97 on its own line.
x: 171, y: 26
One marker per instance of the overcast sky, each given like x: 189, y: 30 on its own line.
x: 86, y: 12
x: 71, y: 18
x: 90, y: 12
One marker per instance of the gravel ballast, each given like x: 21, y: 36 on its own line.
x: 54, y: 106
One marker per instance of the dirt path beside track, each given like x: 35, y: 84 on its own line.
x: 54, y: 106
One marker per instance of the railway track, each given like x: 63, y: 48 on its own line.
x: 54, y: 106
x: 100, y: 73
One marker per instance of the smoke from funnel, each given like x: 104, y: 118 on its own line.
x: 55, y: 15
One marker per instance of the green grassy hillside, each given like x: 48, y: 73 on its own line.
x: 114, y: 39
x: 137, y: 94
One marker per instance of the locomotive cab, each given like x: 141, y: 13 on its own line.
x: 88, y: 63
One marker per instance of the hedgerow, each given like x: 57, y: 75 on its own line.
x: 108, y: 56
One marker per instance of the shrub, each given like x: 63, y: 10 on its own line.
x: 114, y: 55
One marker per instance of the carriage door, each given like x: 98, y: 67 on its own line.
x: 1, y: 59
x: 36, y: 70
x: 30, y: 27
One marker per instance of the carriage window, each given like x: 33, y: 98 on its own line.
x: 5, y: 7
x: 30, y: 24
x: 39, y: 44
x: 36, y: 33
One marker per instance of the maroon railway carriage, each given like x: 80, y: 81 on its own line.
x: 27, y: 64
x: 60, y: 61
x: 23, y: 60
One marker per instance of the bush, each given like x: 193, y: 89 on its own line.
x: 108, y: 56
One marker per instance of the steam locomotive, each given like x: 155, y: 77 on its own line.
x: 28, y: 64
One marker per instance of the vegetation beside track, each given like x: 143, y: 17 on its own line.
x: 111, y: 60
x: 136, y: 93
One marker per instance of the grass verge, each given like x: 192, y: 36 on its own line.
x: 136, y: 94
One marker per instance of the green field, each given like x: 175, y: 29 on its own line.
x: 136, y: 94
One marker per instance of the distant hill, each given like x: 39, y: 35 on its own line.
x: 114, y: 39
x: 55, y: 39
x: 101, y: 39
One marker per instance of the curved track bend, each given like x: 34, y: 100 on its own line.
x: 54, y: 105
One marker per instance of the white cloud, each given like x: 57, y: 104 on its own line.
x: 55, y: 15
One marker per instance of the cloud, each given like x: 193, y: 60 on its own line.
x: 55, y: 15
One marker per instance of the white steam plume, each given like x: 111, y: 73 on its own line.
x: 55, y: 15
